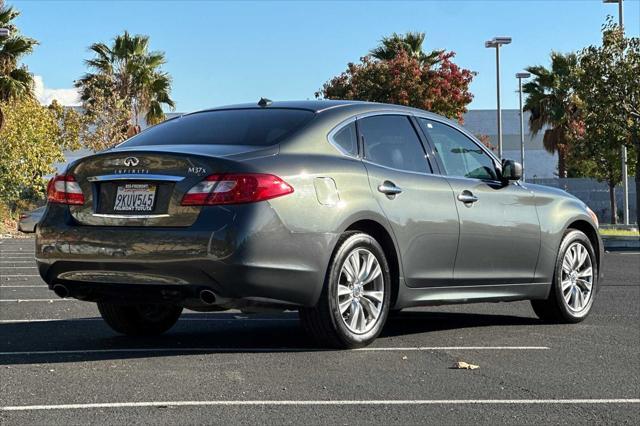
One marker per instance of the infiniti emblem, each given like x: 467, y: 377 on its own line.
x: 131, y: 161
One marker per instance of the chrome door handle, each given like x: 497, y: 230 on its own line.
x: 389, y: 188
x: 467, y: 197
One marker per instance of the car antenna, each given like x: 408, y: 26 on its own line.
x: 263, y: 102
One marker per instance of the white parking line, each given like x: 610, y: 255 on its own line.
x: 37, y: 300
x: 26, y: 256
x: 181, y: 319
x: 25, y: 286
x: 320, y: 402
x: 19, y: 261
x: 19, y: 275
x: 18, y: 267
x: 267, y: 350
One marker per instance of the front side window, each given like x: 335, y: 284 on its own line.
x: 391, y: 141
x: 346, y: 139
x: 459, y: 155
x: 262, y: 127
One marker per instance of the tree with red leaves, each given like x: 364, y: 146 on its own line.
x: 404, y: 78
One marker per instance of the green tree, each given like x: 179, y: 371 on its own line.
x: 608, y: 85
x: 404, y: 79
x: 32, y: 140
x: 411, y: 43
x: 553, y: 105
x: 133, y: 74
x: 107, y: 115
x: 15, y: 79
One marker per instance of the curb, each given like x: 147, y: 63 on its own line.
x: 621, y: 243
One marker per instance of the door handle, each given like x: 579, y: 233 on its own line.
x: 389, y: 188
x: 467, y: 197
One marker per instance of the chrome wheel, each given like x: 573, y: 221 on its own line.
x: 577, y: 277
x: 360, y: 291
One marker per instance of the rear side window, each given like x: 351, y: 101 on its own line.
x: 227, y: 127
x: 346, y: 139
x: 391, y: 141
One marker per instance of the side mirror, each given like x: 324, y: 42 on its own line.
x: 511, y: 170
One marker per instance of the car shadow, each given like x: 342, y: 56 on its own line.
x: 89, y: 339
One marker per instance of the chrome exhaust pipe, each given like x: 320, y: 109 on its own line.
x: 61, y: 291
x: 208, y: 297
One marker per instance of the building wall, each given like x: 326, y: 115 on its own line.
x: 538, y: 162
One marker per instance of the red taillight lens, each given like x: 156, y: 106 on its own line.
x: 236, y: 188
x: 64, y: 189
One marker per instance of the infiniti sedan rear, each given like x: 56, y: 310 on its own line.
x: 344, y: 211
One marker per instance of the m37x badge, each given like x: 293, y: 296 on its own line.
x: 198, y: 171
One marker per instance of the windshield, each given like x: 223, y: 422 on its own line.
x: 261, y: 127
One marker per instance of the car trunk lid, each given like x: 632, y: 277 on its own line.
x: 145, y: 186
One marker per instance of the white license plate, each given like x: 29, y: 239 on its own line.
x: 135, y: 197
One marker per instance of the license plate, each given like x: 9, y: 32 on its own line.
x: 135, y: 197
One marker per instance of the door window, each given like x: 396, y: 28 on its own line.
x: 391, y: 141
x: 459, y: 155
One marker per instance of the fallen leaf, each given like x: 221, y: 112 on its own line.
x: 461, y: 365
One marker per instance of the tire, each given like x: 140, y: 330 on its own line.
x: 139, y: 320
x: 357, y: 324
x: 563, y: 306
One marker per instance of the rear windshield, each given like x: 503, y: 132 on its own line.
x: 226, y: 127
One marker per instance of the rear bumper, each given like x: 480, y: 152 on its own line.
x: 239, y: 252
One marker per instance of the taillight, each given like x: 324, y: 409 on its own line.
x: 64, y: 189
x: 235, y: 188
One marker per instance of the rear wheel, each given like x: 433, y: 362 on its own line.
x: 141, y: 319
x: 354, y: 303
x: 574, y: 282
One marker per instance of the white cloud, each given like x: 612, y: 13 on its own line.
x: 65, y: 97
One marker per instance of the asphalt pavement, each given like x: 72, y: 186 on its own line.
x: 60, y: 364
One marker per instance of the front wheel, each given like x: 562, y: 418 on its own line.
x: 140, y: 319
x: 574, y: 282
x: 354, y: 303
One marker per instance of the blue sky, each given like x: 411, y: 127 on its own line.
x: 228, y: 52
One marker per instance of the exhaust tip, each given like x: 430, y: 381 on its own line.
x: 208, y: 297
x: 61, y: 291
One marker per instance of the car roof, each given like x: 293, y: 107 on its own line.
x: 318, y: 105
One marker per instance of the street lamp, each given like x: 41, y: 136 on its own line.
x: 520, y: 76
x: 625, y: 177
x: 496, y: 42
x: 4, y: 32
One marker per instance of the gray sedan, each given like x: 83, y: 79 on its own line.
x: 29, y: 220
x: 345, y: 211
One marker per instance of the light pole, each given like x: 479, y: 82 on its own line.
x: 496, y: 42
x: 625, y: 177
x: 520, y: 76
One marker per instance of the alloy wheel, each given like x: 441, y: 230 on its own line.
x: 360, y: 291
x: 577, y: 277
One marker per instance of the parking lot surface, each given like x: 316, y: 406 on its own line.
x: 60, y: 364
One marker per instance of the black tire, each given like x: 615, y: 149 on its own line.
x: 140, y: 320
x: 555, y: 308
x: 324, y: 321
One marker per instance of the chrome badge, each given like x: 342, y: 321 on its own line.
x: 131, y: 161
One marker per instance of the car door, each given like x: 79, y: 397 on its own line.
x: 418, y: 204
x: 499, y: 227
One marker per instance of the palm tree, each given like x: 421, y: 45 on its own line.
x: 133, y: 72
x: 410, y: 42
x: 15, y: 81
x: 553, y: 105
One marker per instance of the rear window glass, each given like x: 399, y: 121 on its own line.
x: 228, y: 127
